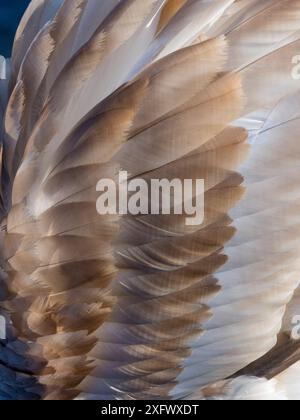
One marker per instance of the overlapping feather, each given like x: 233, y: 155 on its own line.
x: 106, y: 307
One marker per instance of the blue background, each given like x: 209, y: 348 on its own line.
x: 11, y: 12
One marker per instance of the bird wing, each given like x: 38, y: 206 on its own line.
x: 144, y: 306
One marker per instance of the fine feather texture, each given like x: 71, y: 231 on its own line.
x: 283, y: 387
x: 31, y: 74
x: 170, y: 9
x: 262, y: 32
x: 248, y: 389
x: 38, y: 13
x: 145, y: 306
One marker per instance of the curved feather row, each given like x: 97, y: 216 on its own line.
x: 146, y: 307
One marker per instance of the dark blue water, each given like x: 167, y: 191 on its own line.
x: 11, y: 12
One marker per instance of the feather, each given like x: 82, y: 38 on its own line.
x: 246, y: 388
x: 32, y: 72
x: 125, y: 22
x: 262, y: 33
x: 67, y: 17
x: 94, y: 15
x: 177, y: 79
x: 39, y: 12
x: 186, y: 27
x: 63, y: 30
x: 171, y: 8
x: 237, y: 14
x: 144, y: 306
x: 180, y: 132
x: 68, y: 269
x: 289, y: 380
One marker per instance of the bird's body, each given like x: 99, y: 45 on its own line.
x: 146, y: 306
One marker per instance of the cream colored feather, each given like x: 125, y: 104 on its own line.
x: 144, y: 306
